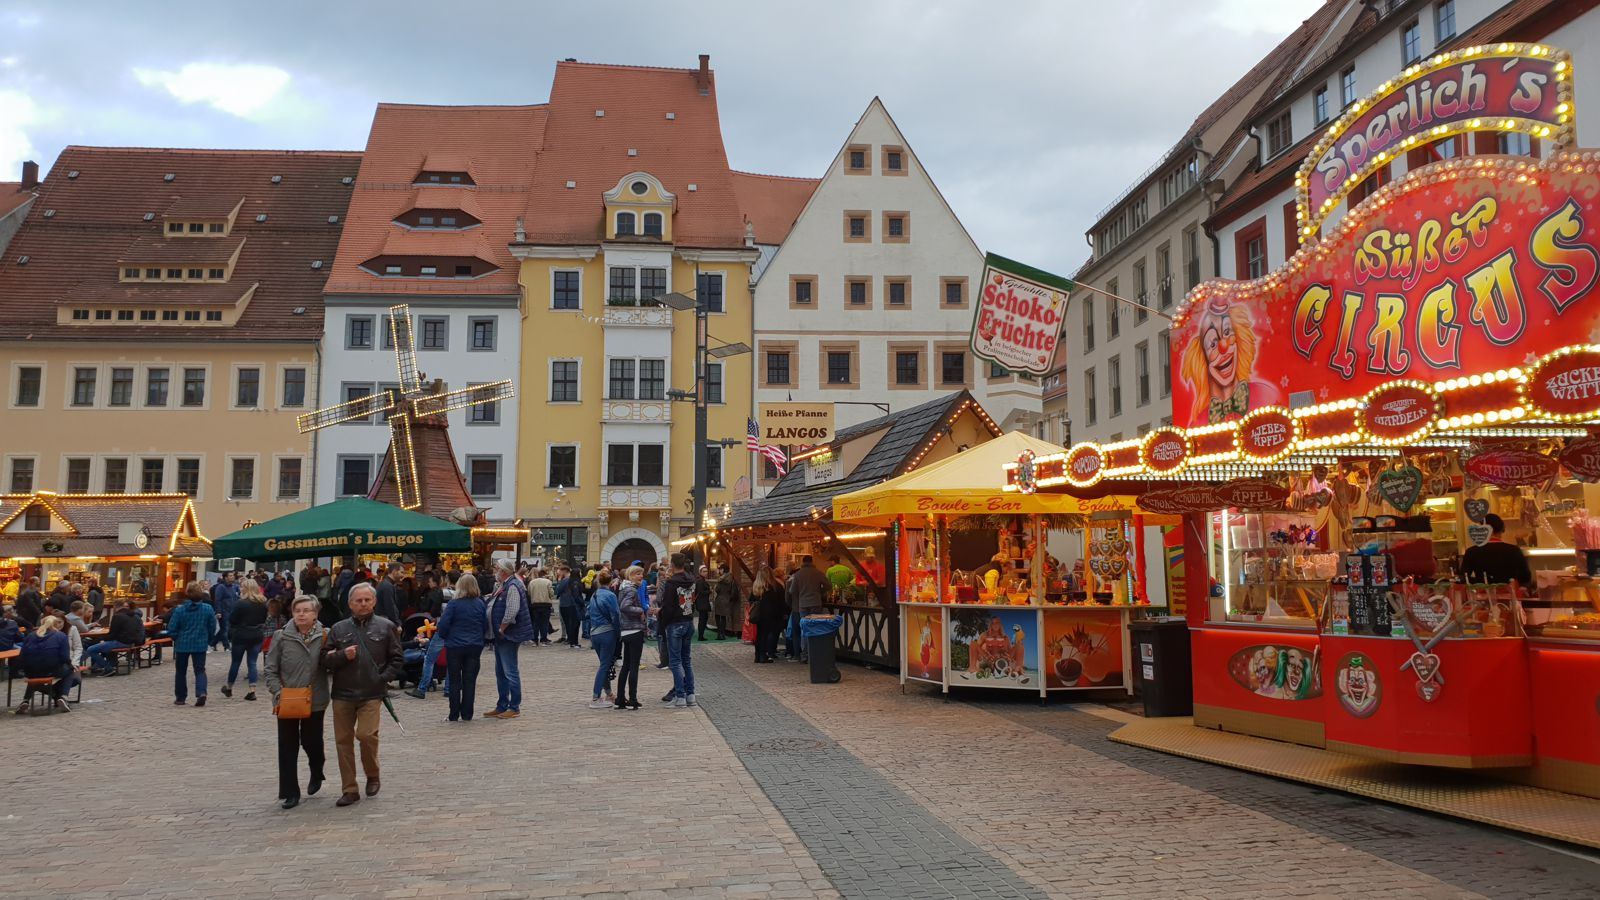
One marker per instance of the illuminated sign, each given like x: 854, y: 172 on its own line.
x: 1400, y: 412
x: 1507, y: 88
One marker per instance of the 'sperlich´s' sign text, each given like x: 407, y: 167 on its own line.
x: 1508, y: 87
x: 1018, y: 315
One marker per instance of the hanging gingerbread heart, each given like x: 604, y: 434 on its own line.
x: 1476, y: 509
x: 1401, y: 487
x: 1478, y: 534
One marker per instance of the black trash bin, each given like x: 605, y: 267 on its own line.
x: 821, y: 634
x: 1161, y: 666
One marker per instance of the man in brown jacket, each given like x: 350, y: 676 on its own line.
x: 364, y: 655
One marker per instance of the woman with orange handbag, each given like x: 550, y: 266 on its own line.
x: 299, y: 688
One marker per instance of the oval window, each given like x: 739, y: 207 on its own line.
x: 639, y: 187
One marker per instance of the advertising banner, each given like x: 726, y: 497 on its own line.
x: 796, y: 423
x: 1018, y: 316
x: 1468, y: 266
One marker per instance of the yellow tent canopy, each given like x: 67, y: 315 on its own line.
x: 967, y: 484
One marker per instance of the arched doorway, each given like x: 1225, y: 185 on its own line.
x: 629, y: 544
x: 630, y: 550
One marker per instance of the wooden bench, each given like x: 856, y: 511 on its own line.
x: 125, y: 657
x: 150, y: 651
x: 43, y: 685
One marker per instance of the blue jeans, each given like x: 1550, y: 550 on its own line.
x: 680, y: 637
x: 541, y: 623
x: 506, y: 677
x: 97, y: 655
x: 241, y: 651
x: 792, y: 636
x: 180, y: 684
x: 605, y: 647
x: 222, y: 632
x: 430, y: 658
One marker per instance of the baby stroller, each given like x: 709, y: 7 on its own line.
x: 411, y: 646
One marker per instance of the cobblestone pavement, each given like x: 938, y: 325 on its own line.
x: 777, y: 788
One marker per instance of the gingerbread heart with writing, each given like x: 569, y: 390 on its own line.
x: 1479, y: 535
x: 1426, y: 665
x: 1401, y: 487
x: 1429, y: 691
x: 1476, y: 509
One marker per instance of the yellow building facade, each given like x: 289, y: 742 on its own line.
x: 603, y: 449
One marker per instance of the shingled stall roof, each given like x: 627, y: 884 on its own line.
x: 100, y: 204
x: 608, y: 121
x: 492, y: 146
x: 772, y: 203
x: 94, y: 525
x: 903, y: 435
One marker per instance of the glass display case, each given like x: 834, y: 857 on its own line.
x: 1272, y: 572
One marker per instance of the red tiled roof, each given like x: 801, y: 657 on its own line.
x: 497, y: 144
x: 100, y: 215
x: 145, y: 295
x: 205, y: 206
x: 12, y: 196
x: 157, y: 249
x: 592, y: 151
x: 772, y: 203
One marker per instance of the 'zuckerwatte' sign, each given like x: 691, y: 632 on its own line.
x: 1019, y: 315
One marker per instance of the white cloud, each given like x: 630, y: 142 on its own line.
x: 17, y: 113
x: 242, y: 89
x: 1271, y: 16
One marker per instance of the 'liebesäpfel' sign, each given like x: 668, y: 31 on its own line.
x: 1018, y: 315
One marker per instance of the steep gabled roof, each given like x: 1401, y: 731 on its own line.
x: 12, y: 196
x: 772, y: 203
x: 496, y: 144
x: 99, y: 215
x: 598, y: 114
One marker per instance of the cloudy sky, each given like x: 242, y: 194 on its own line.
x: 1031, y: 116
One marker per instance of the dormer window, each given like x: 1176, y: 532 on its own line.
x: 391, y: 270
x: 652, y: 224
x: 444, y: 177
x: 152, y: 274
x: 175, y: 228
x: 216, y: 228
x: 424, y: 220
x: 447, y: 221
x: 434, y: 217
x: 625, y: 222
x: 197, y: 228
x: 217, y: 274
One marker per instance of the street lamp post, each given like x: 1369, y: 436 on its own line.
x: 682, y: 303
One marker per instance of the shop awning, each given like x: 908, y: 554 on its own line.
x: 337, y: 528
x: 970, y: 483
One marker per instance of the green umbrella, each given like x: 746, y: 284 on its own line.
x: 353, y: 525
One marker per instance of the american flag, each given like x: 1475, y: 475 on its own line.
x: 774, y: 455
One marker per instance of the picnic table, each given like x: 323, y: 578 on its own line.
x: 5, y: 657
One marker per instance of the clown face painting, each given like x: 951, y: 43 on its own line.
x: 1218, y: 362
x: 1359, y: 689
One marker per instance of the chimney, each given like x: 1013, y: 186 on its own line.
x: 30, y: 170
x: 702, y: 79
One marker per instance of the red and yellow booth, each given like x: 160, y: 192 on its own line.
x: 1351, y: 429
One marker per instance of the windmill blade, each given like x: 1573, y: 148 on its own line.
x: 405, y: 348
x: 403, y: 452
x: 434, y: 404
x: 348, y: 411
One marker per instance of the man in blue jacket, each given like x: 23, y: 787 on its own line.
x: 511, y: 621
x: 224, y: 597
x: 569, y: 598
x: 193, y: 628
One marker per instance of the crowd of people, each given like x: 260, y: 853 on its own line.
x: 339, y: 637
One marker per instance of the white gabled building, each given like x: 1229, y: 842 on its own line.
x: 868, y: 299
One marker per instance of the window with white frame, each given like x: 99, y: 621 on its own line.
x: 1114, y: 376
x: 652, y: 224
x: 152, y: 475
x: 247, y: 388
x: 635, y: 464
x: 1091, y: 409
x: 708, y: 286
x: 1141, y: 373
x: 22, y: 475
x: 1444, y: 21
x: 30, y: 384
x: 83, y: 381
x: 1164, y: 360
x: 434, y: 333
x: 563, y: 381
x: 566, y: 287
x: 78, y: 475
x: 1347, y: 87
x: 358, y: 332
x: 1411, y: 43
x: 483, y: 477
x: 625, y: 224
x: 713, y: 382
x: 561, y: 466
x: 482, y: 330
x: 713, y: 467
x: 241, y: 478
x: 294, y: 387
x: 189, y: 476
x: 121, y: 387
x: 1319, y: 105
x: 1279, y: 134
x: 355, y: 475
x: 290, y: 472
x: 114, y: 475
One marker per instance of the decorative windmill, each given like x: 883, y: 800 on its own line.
x: 416, y: 417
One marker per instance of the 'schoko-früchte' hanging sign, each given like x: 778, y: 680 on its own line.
x: 1506, y: 87
x: 1017, y: 319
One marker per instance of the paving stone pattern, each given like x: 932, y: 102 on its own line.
x: 870, y: 838
x: 1042, y: 790
x: 774, y: 788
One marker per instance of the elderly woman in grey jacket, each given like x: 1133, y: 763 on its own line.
x: 292, y: 662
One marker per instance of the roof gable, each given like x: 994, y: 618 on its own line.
x: 818, y: 221
x: 606, y: 121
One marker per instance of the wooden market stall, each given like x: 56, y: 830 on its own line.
x: 1387, y: 463
x: 981, y: 602
x: 139, y: 547
x: 796, y: 517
